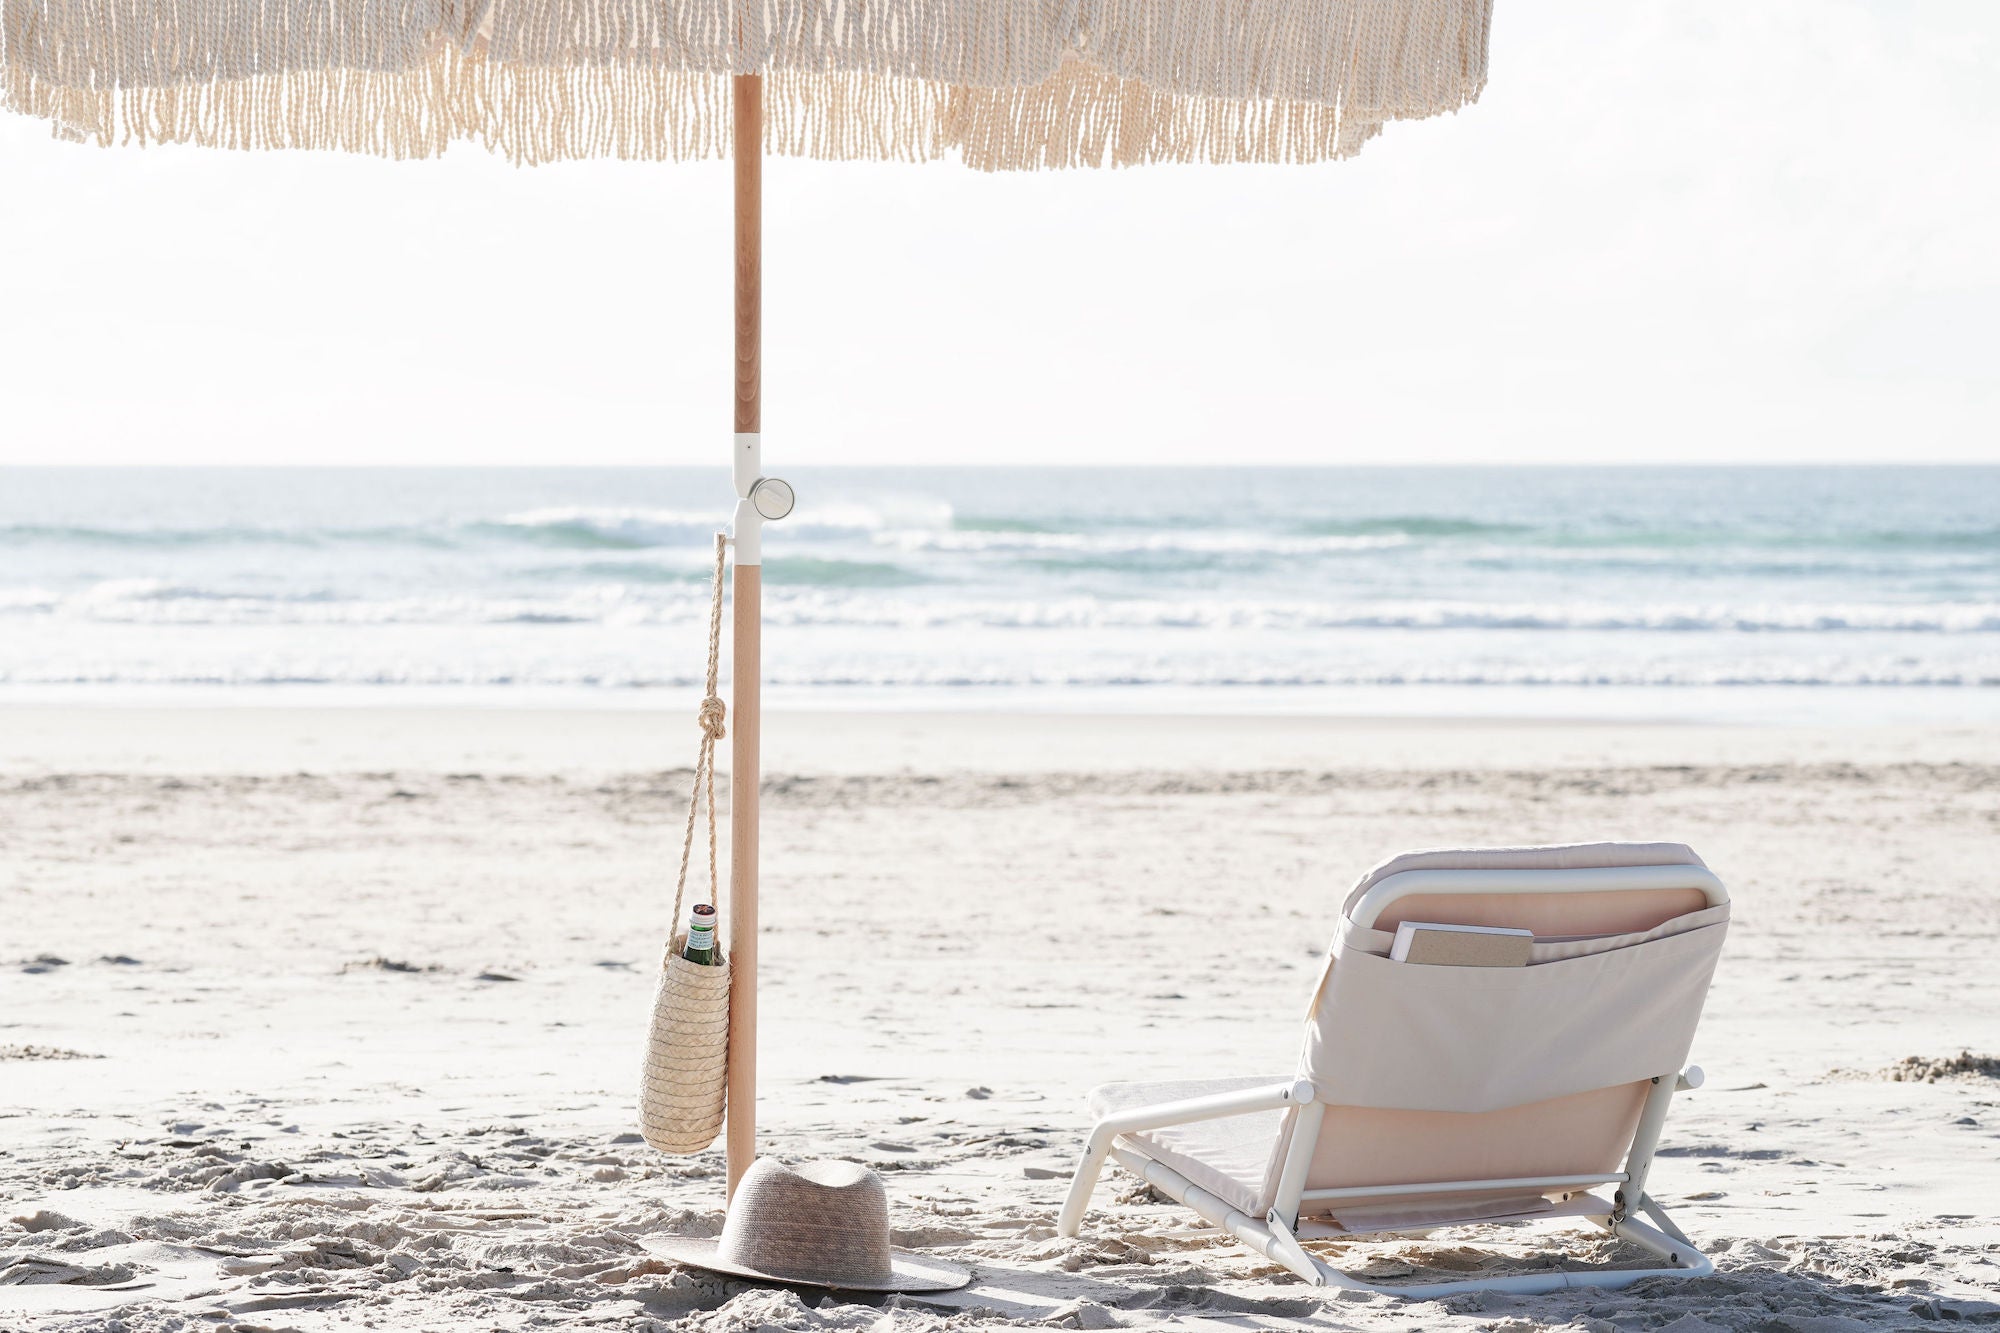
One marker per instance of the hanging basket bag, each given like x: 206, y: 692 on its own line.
x: 687, y: 1055
x: 681, y: 1090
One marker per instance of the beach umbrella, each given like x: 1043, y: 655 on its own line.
x: 1001, y: 84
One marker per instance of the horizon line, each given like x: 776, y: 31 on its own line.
x: 721, y: 465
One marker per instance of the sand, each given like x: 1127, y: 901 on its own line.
x: 328, y: 1018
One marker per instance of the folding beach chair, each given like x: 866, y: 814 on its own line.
x: 1431, y: 1096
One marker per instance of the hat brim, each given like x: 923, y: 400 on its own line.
x: 907, y: 1272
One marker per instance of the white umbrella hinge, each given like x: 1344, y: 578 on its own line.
x: 761, y: 499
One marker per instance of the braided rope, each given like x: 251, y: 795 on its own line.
x: 683, y: 1081
x: 710, y: 719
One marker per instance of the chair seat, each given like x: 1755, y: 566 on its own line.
x: 1450, y: 1096
x: 1419, y: 1216
x: 1235, y: 1158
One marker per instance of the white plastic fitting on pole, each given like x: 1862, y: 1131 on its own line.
x: 746, y: 529
x: 747, y: 526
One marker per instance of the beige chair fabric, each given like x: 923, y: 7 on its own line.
x: 1506, y: 1072
x: 1417, y: 1038
x: 1581, y: 1134
x: 1432, y: 1074
x: 1388, y: 1214
x: 1549, y: 947
x: 1550, y: 914
x: 1560, y: 856
x: 1235, y: 1159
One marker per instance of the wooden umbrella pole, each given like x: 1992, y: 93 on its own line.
x: 741, y: 1134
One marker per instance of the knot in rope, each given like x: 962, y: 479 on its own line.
x: 710, y: 718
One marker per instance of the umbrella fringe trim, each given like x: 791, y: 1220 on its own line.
x: 1008, y: 85
x: 1083, y: 118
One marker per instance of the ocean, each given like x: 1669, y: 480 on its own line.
x: 1797, y: 592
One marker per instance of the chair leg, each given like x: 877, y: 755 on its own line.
x: 1187, y: 1111
x: 1278, y: 1242
x: 1271, y: 1237
x: 1662, y: 1221
x: 1088, y: 1168
x: 1293, y: 1255
x: 1686, y: 1259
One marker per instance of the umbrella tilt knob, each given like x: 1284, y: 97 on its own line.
x: 764, y: 499
x: 773, y: 498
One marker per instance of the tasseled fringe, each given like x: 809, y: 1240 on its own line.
x: 1082, y: 117
x: 1134, y: 81
x: 1085, y: 117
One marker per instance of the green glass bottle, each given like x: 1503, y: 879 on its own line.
x: 701, y: 937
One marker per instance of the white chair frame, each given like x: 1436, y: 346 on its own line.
x: 1278, y: 1235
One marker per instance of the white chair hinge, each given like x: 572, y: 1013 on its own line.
x: 1293, y: 1255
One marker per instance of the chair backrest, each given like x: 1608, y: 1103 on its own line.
x: 1433, y: 1074
x: 1545, y: 903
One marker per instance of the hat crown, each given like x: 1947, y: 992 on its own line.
x: 824, y: 1222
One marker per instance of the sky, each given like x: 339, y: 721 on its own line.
x: 1755, y: 231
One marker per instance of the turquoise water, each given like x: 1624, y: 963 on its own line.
x: 995, y: 585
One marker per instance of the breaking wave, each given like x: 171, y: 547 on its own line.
x: 808, y: 592
x: 969, y: 578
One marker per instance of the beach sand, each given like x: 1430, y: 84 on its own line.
x: 329, y: 1018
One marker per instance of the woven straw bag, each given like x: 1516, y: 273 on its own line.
x: 687, y: 1055
x: 687, y: 1050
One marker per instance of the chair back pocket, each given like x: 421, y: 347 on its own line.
x: 1431, y: 1038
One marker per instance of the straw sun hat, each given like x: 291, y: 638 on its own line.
x: 823, y: 1224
